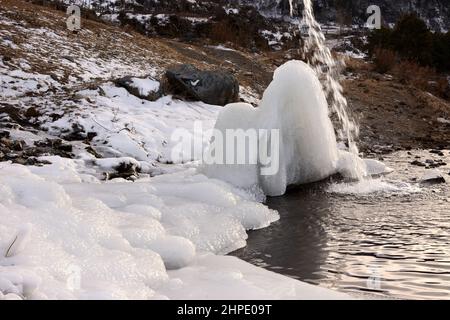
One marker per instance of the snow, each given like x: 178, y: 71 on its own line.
x: 198, y: 281
x: 275, y: 39
x: 176, y: 252
x: 375, y: 167
x: 15, y: 83
x: 432, y: 176
x: 80, y: 238
x: 222, y: 48
x: 294, y: 104
x: 132, y: 127
x: 231, y: 10
x: 65, y: 233
x: 145, y: 86
x: 443, y: 120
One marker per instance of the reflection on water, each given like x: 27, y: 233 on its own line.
x: 394, y: 244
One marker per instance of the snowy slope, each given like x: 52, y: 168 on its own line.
x: 436, y: 13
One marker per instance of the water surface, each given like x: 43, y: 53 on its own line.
x: 392, y: 244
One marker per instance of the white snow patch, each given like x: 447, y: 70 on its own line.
x: 443, y: 120
x: 145, y: 86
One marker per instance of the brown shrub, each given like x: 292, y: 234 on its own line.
x: 414, y: 74
x: 223, y: 32
x: 384, y: 60
x: 237, y: 32
x: 443, y: 87
x: 356, y: 65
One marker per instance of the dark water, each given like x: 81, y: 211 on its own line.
x: 387, y: 244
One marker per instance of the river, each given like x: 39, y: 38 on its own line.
x: 392, y: 243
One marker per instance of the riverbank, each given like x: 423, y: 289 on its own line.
x: 75, y: 225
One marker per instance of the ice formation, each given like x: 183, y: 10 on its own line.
x: 66, y: 235
x: 295, y: 104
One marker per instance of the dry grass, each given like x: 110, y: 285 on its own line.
x: 356, y: 65
x: 384, y: 60
x: 411, y: 73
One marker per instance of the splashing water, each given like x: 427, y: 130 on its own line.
x: 328, y: 70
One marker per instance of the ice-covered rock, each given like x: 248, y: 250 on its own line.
x: 350, y: 163
x: 433, y: 176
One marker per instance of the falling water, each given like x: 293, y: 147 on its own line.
x: 328, y: 69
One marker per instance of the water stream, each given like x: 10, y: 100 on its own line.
x: 328, y: 69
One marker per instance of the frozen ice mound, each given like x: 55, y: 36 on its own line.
x: 73, y: 237
x: 210, y: 277
x: 295, y: 104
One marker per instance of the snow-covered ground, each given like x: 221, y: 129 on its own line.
x: 64, y: 234
x: 67, y: 233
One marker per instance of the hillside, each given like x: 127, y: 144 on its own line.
x: 45, y: 68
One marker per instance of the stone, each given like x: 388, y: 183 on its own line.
x: 32, y: 113
x: 418, y: 163
x: 4, y: 134
x: 433, y: 177
x: 215, y: 87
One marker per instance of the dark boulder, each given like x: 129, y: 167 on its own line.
x: 216, y: 87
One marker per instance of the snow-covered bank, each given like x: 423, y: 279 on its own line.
x: 64, y: 235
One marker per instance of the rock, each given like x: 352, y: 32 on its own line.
x: 4, y: 134
x: 438, y: 152
x: 69, y: 58
x: 17, y: 145
x: 91, y: 135
x: 76, y: 134
x: 53, y: 146
x: 125, y: 170
x: 433, y: 177
x: 418, y: 163
x: 32, y: 113
x: 143, y: 88
x: 213, y: 87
